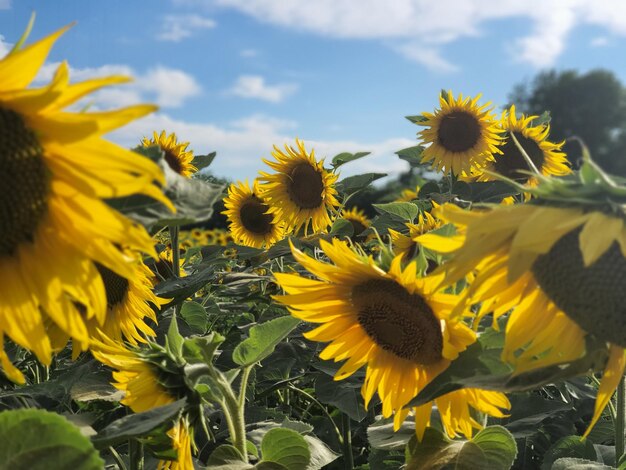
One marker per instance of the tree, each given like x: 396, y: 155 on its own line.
x: 591, y: 106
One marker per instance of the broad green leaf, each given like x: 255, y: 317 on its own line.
x: 321, y: 454
x: 263, y: 339
x: 344, y: 395
x: 416, y: 119
x: 355, y: 183
x: 195, y: 316
x: 493, y: 448
x: 40, y: 440
x: 226, y: 455
x: 202, y: 161
x: 570, y: 446
x: 428, y: 189
x: 462, y: 190
x: 201, y: 349
x: 405, y: 210
x: 285, y: 447
x: 381, y: 435
x: 346, y: 157
x: 138, y: 424
x: 174, y: 340
x: 491, y: 191
x: 569, y: 463
x: 341, y: 228
x: 545, y: 118
x: 181, y: 288
x: 413, y: 155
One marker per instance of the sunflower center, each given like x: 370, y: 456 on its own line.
x: 115, y: 285
x: 397, y: 321
x: 254, y: 218
x: 306, y: 188
x: 24, y: 182
x: 594, y: 297
x: 458, y: 131
x: 511, y: 160
x: 173, y: 161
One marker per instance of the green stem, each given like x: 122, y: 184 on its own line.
x: 118, y: 459
x: 175, y: 251
x: 347, y: 442
x: 620, y: 421
x: 324, y: 410
x: 243, y: 386
x: 234, y: 413
x: 135, y: 454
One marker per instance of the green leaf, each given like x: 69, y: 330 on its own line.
x: 40, y: 440
x: 569, y: 463
x: 545, y: 118
x: 413, y: 155
x: 174, y: 340
x: 462, y: 190
x: 285, y: 447
x: 381, y: 435
x: 202, y: 349
x: 321, y: 454
x: 344, y: 395
x: 195, y: 316
x: 342, y: 228
x: 416, y: 119
x: 226, y: 455
x: 429, y: 189
x: 180, y: 288
x: 491, y: 191
x: 570, y: 446
x: 192, y: 198
x: 355, y: 183
x: 138, y: 424
x: 263, y: 339
x: 346, y: 157
x: 493, y: 448
x: 202, y: 161
x: 405, y: 210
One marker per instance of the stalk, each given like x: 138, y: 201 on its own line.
x: 620, y: 419
x: 347, y: 442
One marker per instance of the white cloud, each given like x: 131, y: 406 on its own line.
x: 5, y: 47
x: 178, y: 27
x: 599, y: 41
x: 254, y: 86
x: 418, y: 29
x: 248, y: 53
x: 165, y: 86
x: 241, y: 144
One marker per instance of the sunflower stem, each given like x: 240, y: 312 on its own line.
x: 347, y: 442
x: 118, y: 459
x: 324, y: 410
x: 531, y: 164
x: 234, y: 412
x: 175, y: 251
x: 620, y: 420
x: 135, y: 454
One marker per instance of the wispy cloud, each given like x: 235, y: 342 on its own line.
x: 248, y: 53
x: 420, y: 30
x: 254, y: 86
x: 175, y: 28
x: 5, y: 47
x: 167, y: 87
x: 600, y: 41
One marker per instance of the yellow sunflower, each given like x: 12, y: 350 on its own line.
x: 56, y: 169
x: 176, y: 154
x: 249, y: 216
x: 392, y: 321
x: 358, y: 219
x: 302, y: 191
x: 406, y: 246
x: 545, y: 155
x: 142, y: 381
x: 562, y: 269
x: 462, y: 135
x: 407, y: 195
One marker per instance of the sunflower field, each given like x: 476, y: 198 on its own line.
x: 475, y: 319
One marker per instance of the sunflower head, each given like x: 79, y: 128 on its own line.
x: 462, y: 135
x: 176, y: 155
x: 407, y: 195
x: 302, y: 191
x: 546, y: 156
x: 391, y: 321
x: 249, y: 216
x: 407, y: 245
x: 57, y: 171
x: 357, y: 219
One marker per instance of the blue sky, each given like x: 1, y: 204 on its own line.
x: 237, y: 76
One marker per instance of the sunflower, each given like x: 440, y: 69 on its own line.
x: 56, y: 169
x: 391, y: 321
x: 142, y: 377
x: 406, y: 246
x: 302, y: 192
x: 176, y: 154
x: 545, y: 155
x: 407, y: 195
x: 357, y: 219
x: 462, y: 135
x: 562, y: 269
x: 251, y: 222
